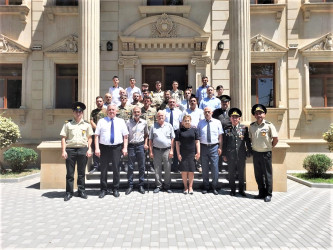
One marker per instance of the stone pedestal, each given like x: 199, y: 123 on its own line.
x: 53, y: 167
x: 279, y: 170
x: 89, y: 54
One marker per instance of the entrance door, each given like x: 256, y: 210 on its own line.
x: 165, y: 74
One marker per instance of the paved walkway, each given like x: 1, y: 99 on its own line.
x: 34, y: 218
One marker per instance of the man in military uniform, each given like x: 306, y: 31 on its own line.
x: 222, y: 115
x: 76, y: 148
x: 95, y: 115
x: 165, y: 103
x: 264, y: 137
x: 236, y: 144
x: 136, y: 101
x: 176, y: 93
x: 124, y: 110
x: 158, y: 95
x: 148, y: 113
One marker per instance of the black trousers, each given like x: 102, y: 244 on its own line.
x: 110, y: 154
x: 236, y: 165
x: 96, y: 160
x: 262, y: 162
x: 76, y: 155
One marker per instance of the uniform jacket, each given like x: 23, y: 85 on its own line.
x: 236, y: 142
x: 223, y: 117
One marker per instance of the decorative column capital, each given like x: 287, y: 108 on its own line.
x: 200, y: 61
x: 128, y: 61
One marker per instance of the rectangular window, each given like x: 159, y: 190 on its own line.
x: 164, y: 2
x: 263, y: 84
x: 10, y: 85
x: 10, y: 2
x: 321, y: 84
x: 67, y: 2
x: 67, y: 85
x: 262, y: 2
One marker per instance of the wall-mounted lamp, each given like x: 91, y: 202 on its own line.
x: 109, y: 46
x: 220, y: 45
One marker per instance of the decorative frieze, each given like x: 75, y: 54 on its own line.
x: 200, y: 61
x: 128, y: 61
x: 324, y: 43
x: 261, y: 44
x: 8, y: 45
x: 67, y: 45
x: 164, y: 27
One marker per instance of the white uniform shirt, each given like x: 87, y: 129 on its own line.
x: 103, y: 129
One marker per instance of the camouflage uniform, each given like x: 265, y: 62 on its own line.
x: 157, y: 98
x: 124, y: 112
x: 97, y: 114
x: 178, y: 95
x: 149, y: 116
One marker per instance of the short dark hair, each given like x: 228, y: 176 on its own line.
x: 115, y: 77
x: 99, y: 97
x: 219, y: 87
x: 204, y: 77
x: 189, y: 87
x: 147, y: 97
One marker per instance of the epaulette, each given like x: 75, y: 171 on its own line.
x: 267, y: 122
x: 252, y: 123
x: 68, y: 121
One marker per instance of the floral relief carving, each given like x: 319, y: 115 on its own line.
x: 164, y: 27
x: 260, y: 45
x: 69, y: 45
x: 7, y: 47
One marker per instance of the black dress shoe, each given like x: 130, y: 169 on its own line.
x: 83, y: 195
x: 129, y: 190
x: 116, y: 193
x: 268, y: 198
x: 169, y: 191
x: 156, y: 190
x: 102, y: 194
x: 141, y: 190
x: 232, y: 193
x: 215, y: 192
x: 242, y: 193
x: 68, y: 196
x: 204, y: 192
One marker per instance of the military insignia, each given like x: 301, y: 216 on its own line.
x: 263, y: 132
x: 83, y: 133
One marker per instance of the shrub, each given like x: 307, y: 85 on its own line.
x: 328, y: 136
x: 19, y: 158
x: 9, y: 132
x: 317, y: 164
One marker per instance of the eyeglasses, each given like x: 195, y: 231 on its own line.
x: 193, y: 101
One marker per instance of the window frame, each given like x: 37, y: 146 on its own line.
x: 256, y: 2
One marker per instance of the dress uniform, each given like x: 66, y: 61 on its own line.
x: 264, y: 137
x: 76, y: 146
x: 236, y: 144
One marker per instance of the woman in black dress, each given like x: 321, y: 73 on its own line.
x: 188, y: 150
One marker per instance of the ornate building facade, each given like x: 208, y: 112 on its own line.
x: 275, y: 52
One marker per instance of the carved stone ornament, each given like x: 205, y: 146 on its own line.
x: 200, y: 61
x: 67, y: 45
x: 329, y: 42
x: 128, y: 61
x: 9, y: 46
x: 164, y: 27
x: 260, y: 45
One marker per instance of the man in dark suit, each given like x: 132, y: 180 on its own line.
x: 236, y: 146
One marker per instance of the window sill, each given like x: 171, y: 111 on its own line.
x: 279, y: 112
x: 307, y: 8
x: 268, y: 8
x: 51, y: 113
x: 21, y: 10
x: 311, y: 112
x: 52, y: 11
x: 15, y: 113
x: 183, y: 10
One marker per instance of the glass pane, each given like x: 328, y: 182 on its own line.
x: 155, y: 2
x: 15, y: 2
x: 2, y: 93
x: 265, y: 1
x: 14, y: 92
x: 317, y: 92
x: 10, y: 70
x: 67, y: 2
x: 265, y: 92
x: 64, y: 93
x: 253, y: 91
x: 262, y: 69
x: 67, y: 70
x: 174, y: 2
x: 320, y: 68
x: 329, y: 92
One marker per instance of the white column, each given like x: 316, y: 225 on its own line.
x: 241, y: 57
x: 89, y: 54
x: 307, y: 84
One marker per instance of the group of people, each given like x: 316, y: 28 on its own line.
x: 176, y: 129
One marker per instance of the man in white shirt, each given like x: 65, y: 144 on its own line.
x: 202, y: 90
x: 195, y: 113
x: 114, y: 91
x: 111, y: 138
x: 132, y: 89
x: 210, y: 101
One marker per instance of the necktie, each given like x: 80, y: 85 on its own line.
x: 112, y: 132
x: 209, y: 139
x: 171, y: 117
x: 187, y: 104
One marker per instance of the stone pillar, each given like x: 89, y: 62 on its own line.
x: 89, y: 54
x: 200, y: 64
x: 129, y: 63
x: 240, y: 57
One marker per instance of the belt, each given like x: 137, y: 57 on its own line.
x: 111, y: 146
x: 162, y: 148
x: 209, y: 145
x: 136, y: 144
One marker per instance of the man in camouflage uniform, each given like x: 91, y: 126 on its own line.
x: 124, y: 110
x: 148, y: 113
x: 176, y: 93
x: 136, y: 101
x: 158, y: 95
x: 95, y: 115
